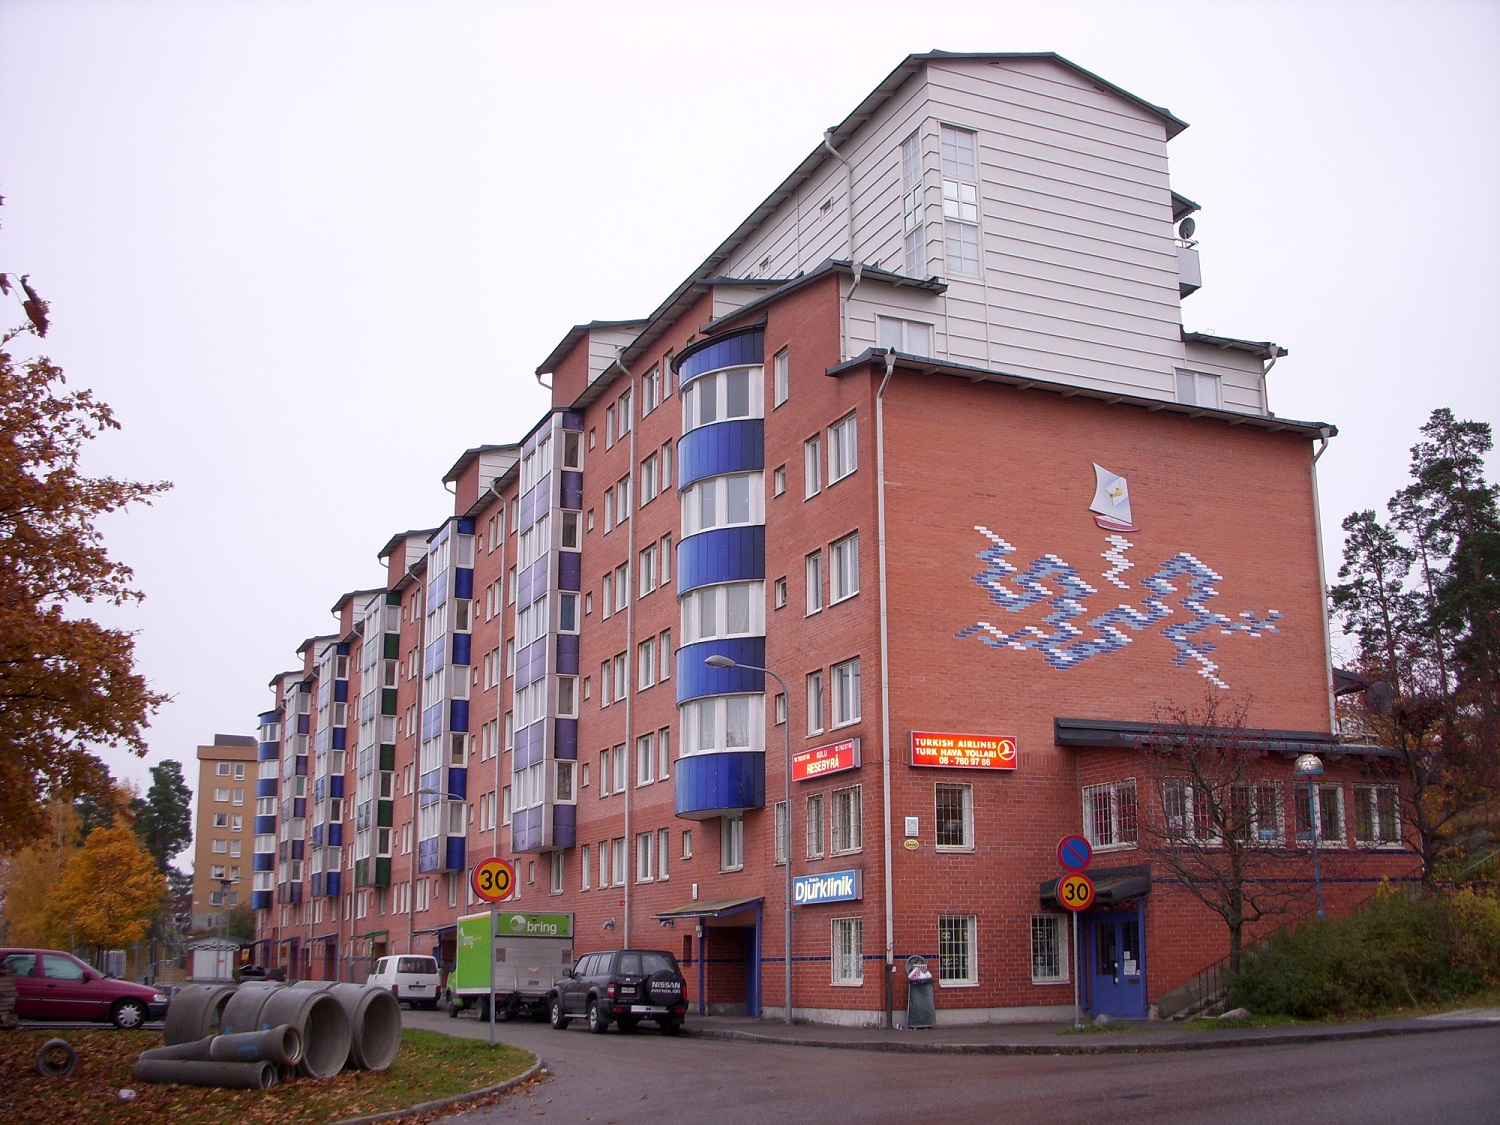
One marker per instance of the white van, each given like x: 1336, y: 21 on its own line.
x: 412, y: 978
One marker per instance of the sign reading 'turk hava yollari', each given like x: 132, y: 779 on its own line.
x: 835, y: 886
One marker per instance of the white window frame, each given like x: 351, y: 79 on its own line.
x: 846, y: 820
x: 843, y: 569
x: 812, y: 466
x: 1049, y: 949
x: 1330, y: 814
x: 813, y: 582
x: 724, y: 488
x: 645, y: 854
x: 713, y: 602
x: 1384, y: 825
x: 1198, y: 388
x: 780, y: 378
x: 1111, y: 815
x: 958, y: 937
x: 846, y: 951
x: 912, y: 337
x: 717, y: 383
x: 844, y: 692
x: 965, y: 822
x: 816, y: 703
x: 706, y: 724
x: 731, y: 843
x: 843, y: 448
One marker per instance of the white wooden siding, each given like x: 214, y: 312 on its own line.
x: 1241, y: 375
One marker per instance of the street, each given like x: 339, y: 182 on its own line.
x: 1452, y: 1077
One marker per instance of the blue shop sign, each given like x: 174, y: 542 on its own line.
x: 836, y: 886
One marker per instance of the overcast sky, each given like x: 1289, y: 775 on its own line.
x: 311, y: 252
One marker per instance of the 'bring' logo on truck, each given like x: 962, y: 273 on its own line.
x: 540, y: 925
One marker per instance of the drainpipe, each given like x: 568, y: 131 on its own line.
x: 854, y: 262
x: 1324, y: 434
x: 885, y: 686
x: 633, y: 585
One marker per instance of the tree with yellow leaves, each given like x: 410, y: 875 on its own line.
x: 29, y: 876
x: 109, y: 892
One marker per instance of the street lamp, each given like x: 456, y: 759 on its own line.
x: 224, y: 885
x: 1308, y: 768
x: 786, y: 729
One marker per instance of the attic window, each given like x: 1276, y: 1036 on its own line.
x: 826, y: 206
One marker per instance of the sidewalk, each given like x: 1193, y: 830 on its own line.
x: 1124, y: 1037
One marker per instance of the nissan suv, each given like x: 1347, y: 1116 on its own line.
x: 622, y: 986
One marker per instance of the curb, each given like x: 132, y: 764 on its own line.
x: 449, y: 1102
x: 1201, y: 1041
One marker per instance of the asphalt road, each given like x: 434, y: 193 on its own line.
x: 1450, y: 1077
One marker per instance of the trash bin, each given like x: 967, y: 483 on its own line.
x: 921, y: 1009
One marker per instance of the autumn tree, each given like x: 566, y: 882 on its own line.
x: 29, y: 875
x: 1419, y: 595
x: 67, y: 683
x: 1212, y: 818
x: 109, y: 892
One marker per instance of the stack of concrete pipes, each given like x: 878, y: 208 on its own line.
x: 256, y: 1035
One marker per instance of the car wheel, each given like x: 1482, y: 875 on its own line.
x: 559, y: 1020
x: 128, y: 1014
x: 670, y: 1026
x: 598, y: 1021
x: 628, y: 1023
x: 453, y: 1009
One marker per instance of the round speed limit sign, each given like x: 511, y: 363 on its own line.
x: 1075, y: 891
x: 493, y: 880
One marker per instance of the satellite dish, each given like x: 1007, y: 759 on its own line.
x: 1186, y: 228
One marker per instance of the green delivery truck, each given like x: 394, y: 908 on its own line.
x: 531, y: 951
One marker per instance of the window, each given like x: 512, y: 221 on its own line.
x: 583, y: 864
x: 911, y: 205
x: 1377, y: 822
x: 664, y: 647
x: 843, y: 454
x: 722, y: 396
x: 960, y: 202
x: 727, y: 501
x: 645, y: 760
x: 812, y: 466
x: 221, y: 794
x: 843, y: 569
x: 222, y: 769
x: 663, y: 850
x: 645, y: 664
x: 649, y: 485
x: 221, y: 847
x: 814, y: 702
x: 664, y: 753
x: 1187, y: 811
x: 780, y: 367
x: 617, y: 861
x: 780, y: 708
x: 1330, y: 814
x: 687, y: 843
x: 221, y: 820
x: 778, y: 480
x: 815, y: 845
x: 844, y: 815
x: 620, y: 766
x: 910, y: 336
x: 650, y: 391
x: 1195, y: 389
x: 605, y: 776
x: 956, y: 949
x: 647, y: 569
x: 555, y: 883
x: 732, y: 610
x: 645, y: 848
x: 848, y: 951
x: 955, y: 817
x: 781, y: 833
x: 780, y: 593
x: 814, y: 582
x: 846, y: 693
x: 1109, y: 818
x: 722, y: 723
x: 1049, y: 949
x: 731, y: 843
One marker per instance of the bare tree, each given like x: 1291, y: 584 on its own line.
x: 1214, y: 817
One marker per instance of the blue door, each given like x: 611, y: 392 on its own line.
x: 1117, y: 965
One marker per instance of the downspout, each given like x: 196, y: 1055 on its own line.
x: 885, y: 686
x: 854, y: 263
x: 632, y: 580
x: 1265, y: 389
x: 1323, y: 435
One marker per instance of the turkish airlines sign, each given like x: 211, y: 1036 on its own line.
x: 963, y: 751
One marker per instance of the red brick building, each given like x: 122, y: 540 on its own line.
x: 918, y: 481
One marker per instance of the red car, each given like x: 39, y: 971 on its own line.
x: 58, y: 986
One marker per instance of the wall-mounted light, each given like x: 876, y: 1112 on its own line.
x: 609, y: 924
x: 668, y: 923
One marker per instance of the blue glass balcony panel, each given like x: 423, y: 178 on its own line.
x: 727, y: 554
x: 696, y: 679
x: 263, y: 861
x: 462, y: 646
x: 463, y: 582
x: 456, y: 854
x: 729, y: 350
x: 260, y: 900
x: 569, y: 570
x: 564, y: 826
x: 567, y: 654
x: 265, y: 787
x: 737, y: 446
x: 565, y: 739
x: 709, y: 785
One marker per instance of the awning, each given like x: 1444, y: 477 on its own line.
x: 371, y: 936
x: 438, y: 930
x: 1112, y: 887
x: 710, y: 909
x: 1110, y: 734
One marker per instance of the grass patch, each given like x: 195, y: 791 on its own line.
x: 429, y: 1066
x: 1090, y: 1029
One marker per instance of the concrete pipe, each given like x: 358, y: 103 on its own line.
x: 374, y: 1021
x: 324, y: 1025
x: 195, y: 1012
x: 281, y: 1045
x: 196, y: 1051
x: 190, y: 1072
x: 243, y: 1012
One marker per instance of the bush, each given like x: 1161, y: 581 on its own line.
x: 1400, y: 950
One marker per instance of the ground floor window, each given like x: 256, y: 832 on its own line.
x: 848, y: 950
x: 1109, y: 814
x: 1376, y: 820
x: 1049, y: 949
x: 957, y: 949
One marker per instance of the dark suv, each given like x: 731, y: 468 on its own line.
x: 624, y: 986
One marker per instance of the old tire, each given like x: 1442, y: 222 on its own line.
x: 128, y: 1014
x: 56, y: 1059
x: 559, y: 1021
x: 598, y: 1021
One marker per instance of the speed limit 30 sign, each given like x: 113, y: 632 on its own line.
x: 1075, y: 891
x: 493, y: 880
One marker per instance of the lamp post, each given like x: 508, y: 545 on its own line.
x: 786, y: 730
x: 1308, y: 768
x: 224, y: 885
